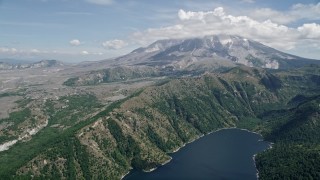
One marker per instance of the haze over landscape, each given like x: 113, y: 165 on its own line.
x: 86, y: 30
x: 124, y: 89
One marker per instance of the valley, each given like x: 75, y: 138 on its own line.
x: 99, y: 120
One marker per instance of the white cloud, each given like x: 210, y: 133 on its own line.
x: 91, y: 53
x: 35, y: 51
x: 306, y: 11
x: 14, y: 51
x: 8, y: 50
x: 311, y: 31
x: 198, y: 24
x: 75, y: 42
x: 62, y: 54
x: 264, y: 14
x: 115, y: 44
x: 84, y: 52
x: 296, y: 12
x: 183, y: 15
x: 22, y: 52
x: 100, y: 2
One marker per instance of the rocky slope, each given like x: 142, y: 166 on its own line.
x: 187, y: 57
x: 222, y: 50
x: 140, y: 131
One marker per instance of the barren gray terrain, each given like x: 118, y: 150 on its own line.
x: 32, y: 88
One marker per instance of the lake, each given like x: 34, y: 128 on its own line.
x: 225, y: 154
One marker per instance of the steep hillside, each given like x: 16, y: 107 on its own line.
x: 132, y: 73
x: 140, y: 131
x: 296, y: 133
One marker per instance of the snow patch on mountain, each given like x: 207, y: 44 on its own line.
x: 225, y: 49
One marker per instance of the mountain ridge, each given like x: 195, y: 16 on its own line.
x: 83, y: 135
x: 189, y: 57
x: 140, y: 131
x: 181, y: 53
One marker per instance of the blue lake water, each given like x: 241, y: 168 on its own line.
x: 225, y: 154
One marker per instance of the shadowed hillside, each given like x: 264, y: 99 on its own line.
x: 140, y: 131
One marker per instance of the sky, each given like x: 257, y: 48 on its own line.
x: 88, y: 30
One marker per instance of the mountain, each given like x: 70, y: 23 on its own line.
x: 40, y: 64
x: 61, y: 132
x: 223, y: 50
x: 84, y: 139
x: 186, y: 57
x: 178, y: 57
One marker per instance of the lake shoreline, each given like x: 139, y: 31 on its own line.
x: 254, y: 158
x: 199, y: 137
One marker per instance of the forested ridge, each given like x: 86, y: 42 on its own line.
x: 141, y: 130
x: 296, y: 153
